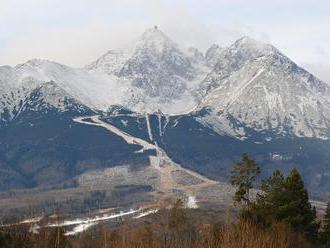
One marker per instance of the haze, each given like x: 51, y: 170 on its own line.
x: 76, y: 32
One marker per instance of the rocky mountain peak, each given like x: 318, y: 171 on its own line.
x: 158, y: 66
x: 247, y: 48
x: 155, y: 40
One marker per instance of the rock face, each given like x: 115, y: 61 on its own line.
x: 158, y: 66
x: 260, y: 88
x: 212, y: 55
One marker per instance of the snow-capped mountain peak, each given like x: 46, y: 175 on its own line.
x: 255, y: 85
x: 159, y: 68
x: 246, y: 48
x: 249, y: 46
x: 228, y: 60
x: 249, y: 81
x: 158, y: 71
x: 155, y: 40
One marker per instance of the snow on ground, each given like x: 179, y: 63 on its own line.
x: 152, y: 211
x: 92, y: 220
x: 83, y: 224
x: 192, y: 203
x: 32, y: 220
x: 80, y: 228
x: 128, y: 138
x: 148, y: 127
x: 34, y: 229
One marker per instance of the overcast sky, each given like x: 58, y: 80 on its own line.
x: 76, y: 32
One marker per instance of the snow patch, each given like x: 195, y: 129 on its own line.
x: 191, y: 203
x: 141, y: 215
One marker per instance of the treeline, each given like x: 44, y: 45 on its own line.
x: 278, y: 215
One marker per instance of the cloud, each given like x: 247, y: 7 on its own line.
x: 72, y: 46
x: 77, y: 32
x: 78, y: 39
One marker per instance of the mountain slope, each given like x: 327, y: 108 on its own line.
x: 44, y: 98
x: 191, y: 144
x: 212, y: 55
x: 110, y: 63
x: 92, y: 90
x: 257, y: 87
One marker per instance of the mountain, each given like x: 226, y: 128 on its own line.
x: 248, y: 83
x: 161, y: 74
x: 158, y: 66
x: 253, y: 85
x: 200, y: 110
x: 41, y: 145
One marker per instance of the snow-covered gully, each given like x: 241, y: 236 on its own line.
x: 128, y: 138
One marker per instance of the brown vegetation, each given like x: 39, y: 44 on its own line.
x: 174, y: 228
x: 278, y: 216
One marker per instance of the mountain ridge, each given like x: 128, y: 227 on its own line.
x: 158, y: 75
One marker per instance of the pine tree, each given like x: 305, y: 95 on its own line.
x: 285, y: 200
x: 269, y: 200
x: 243, y: 176
x: 295, y: 209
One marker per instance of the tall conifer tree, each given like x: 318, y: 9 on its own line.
x: 243, y: 177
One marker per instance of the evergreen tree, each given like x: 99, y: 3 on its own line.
x: 243, y: 176
x: 269, y: 200
x: 297, y: 210
x: 286, y: 200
